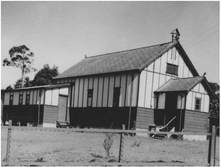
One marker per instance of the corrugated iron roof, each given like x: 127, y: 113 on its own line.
x: 40, y: 87
x: 134, y: 59
x: 180, y: 84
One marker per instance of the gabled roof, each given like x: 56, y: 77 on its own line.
x: 180, y: 84
x: 135, y: 59
x: 185, y: 85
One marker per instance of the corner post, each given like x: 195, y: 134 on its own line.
x: 212, y: 147
x: 121, y: 144
x: 8, y: 142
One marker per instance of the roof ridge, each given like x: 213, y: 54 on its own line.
x: 187, y: 77
x: 106, y: 54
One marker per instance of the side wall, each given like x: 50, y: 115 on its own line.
x: 196, y: 121
x: 145, y: 118
x: 34, y: 97
x: 24, y: 114
x: 29, y: 112
x: 50, y: 114
x: 198, y: 92
x: 51, y: 107
x: 98, y: 117
x: 103, y: 90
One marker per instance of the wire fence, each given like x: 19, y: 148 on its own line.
x: 59, y: 146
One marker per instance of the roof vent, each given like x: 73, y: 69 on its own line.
x: 175, y: 35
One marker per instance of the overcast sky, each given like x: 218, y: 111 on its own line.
x: 62, y: 33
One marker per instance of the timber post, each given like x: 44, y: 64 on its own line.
x: 212, y: 147
x: 8, y: 142
x: 121, y: 144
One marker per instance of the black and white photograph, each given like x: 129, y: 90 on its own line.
x: 110, y: 83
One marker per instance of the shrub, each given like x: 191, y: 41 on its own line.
x: 108, y: 142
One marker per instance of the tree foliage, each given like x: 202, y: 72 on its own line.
x: 26, y: 83
x: 45, y: 75
x: 214, y: 108
x: 9, y: 88
x: 20, y: 57
x: 214, y: 103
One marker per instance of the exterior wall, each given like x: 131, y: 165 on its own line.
x: 6, y: 98
x: 196, y: 121
x: 51, y: 107
x: 181, y: 101
x: 22, y: 113
x: 15, y: 98
x: 103, y: 90
x: 52, y: 95
x: 154, y: 76
x: 163, y: 116
x: 50, y: 114
x: 162, y: 100
x: 145, y: 118
x: 198, y: 92
x: 103, y: 117
x: 34, y: 97
x: 29, y: 113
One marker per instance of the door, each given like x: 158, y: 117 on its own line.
x: 62, y: 108
x: 171, y: 101
x: 171, y: 109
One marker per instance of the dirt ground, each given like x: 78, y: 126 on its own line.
x: 46, y: 146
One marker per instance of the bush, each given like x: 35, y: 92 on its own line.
x: 108, y: 142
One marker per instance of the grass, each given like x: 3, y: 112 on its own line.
x: 46, y: 146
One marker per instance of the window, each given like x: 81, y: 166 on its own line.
x: 3, y: 97
x: 172, y: 69
x: 27, y: 98
x: 20, y: 98
x: 11, y: 98
x: 89, y: 97
x: 197, y: 104
x: 116, y: 97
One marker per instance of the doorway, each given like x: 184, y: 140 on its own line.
x: 62, y: 108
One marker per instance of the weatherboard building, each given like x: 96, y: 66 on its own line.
x: 153, y: 85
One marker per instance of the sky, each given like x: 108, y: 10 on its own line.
x: 62, y: 33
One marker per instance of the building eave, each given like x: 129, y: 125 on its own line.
x: 40, y: 87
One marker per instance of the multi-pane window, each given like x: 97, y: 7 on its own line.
x: 116, y: 97
x: 198, y: 104
x: 20, y: 98
x: 11, y: 98
x: 27, y: 102
x: 172, y: 69
x: 89, y: 97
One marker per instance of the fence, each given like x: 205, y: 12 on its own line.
x: 59, y: 146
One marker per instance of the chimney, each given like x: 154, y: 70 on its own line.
x: 175, y: 35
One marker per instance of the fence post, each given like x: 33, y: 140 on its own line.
x: 212, y: 147
x: 8, y: 142
x: 121, y: 144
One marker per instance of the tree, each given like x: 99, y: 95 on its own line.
x: 26, y: 82
x: 215, y: 88
x: 9, y: 88
x: 214, y: 103
x: 45, y: 75
x: 20, y: 57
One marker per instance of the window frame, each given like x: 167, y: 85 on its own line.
x: 27, y: 100
x: 116, y: 97
x: 11, y: 97
x: 90, y: 92
x: 20, y: 100
x: 172, y: 66
x: 200, y: 103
